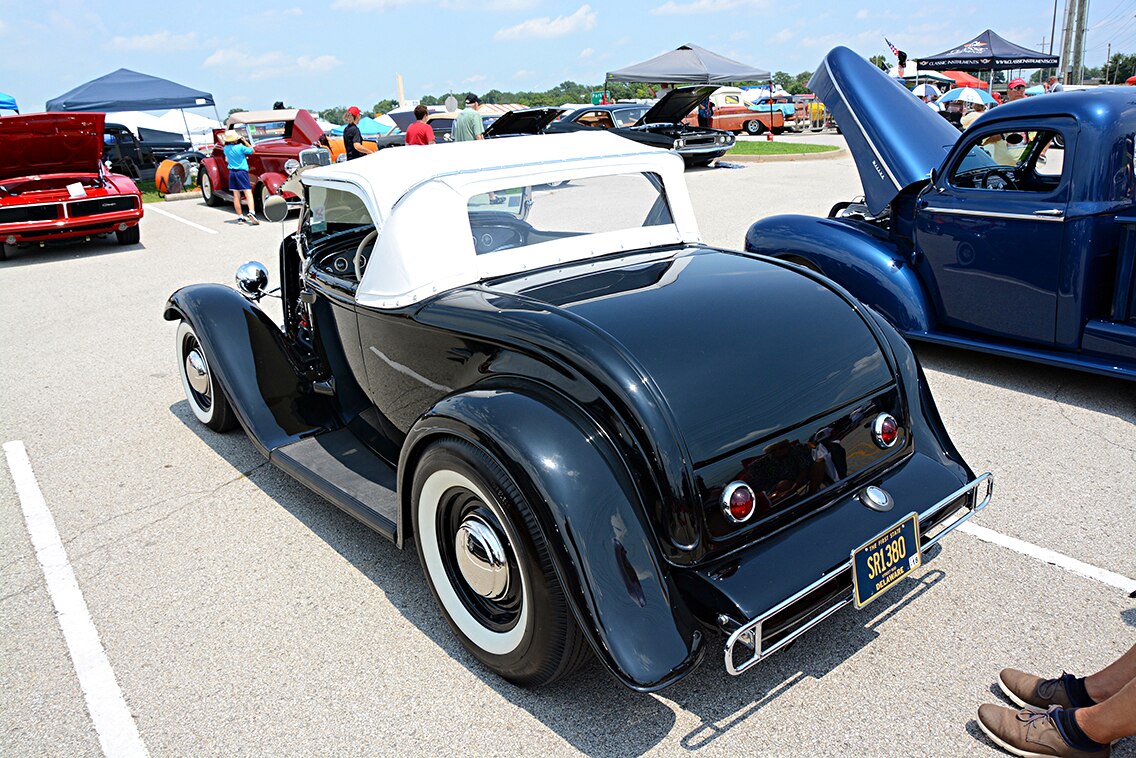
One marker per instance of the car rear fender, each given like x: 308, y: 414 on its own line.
x: 864, y: 263
x: 590, y: 515
x: 209, y: 166
x: 247, y: 354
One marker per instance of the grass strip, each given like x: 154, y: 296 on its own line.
x: 774, y: 147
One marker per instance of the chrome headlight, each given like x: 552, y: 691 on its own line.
x: 679, y: 143
x: 290, y: 166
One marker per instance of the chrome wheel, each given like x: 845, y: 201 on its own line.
x: 489, y: 568
x: 201, y: 388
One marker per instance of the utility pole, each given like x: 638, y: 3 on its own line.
x: 1079, y: 40
x: 1107, y: 61
x: 1067, y: 33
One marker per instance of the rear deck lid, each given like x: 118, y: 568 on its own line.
x: 741, y: 348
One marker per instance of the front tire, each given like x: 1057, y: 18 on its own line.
x: 132, y: 235
x: 262, y: 197
x: 489, y: 568
x: 202, y: 390
x: 207, y: 193
x: 753, y: 128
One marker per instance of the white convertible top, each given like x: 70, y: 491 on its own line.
x: 417, y: 198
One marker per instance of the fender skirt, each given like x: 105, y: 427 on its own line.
x: 604, y: 552
x: 865, y: 264
x: 247, y: 354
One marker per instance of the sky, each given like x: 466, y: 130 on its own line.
x: 318, y: 54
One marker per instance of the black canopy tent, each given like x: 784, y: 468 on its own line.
x: 689, y: 64
x: 988, y: 52
x: 126, y: 90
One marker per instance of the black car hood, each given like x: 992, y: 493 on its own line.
x: 894, y: 137
x: 523, y: 121
x: 676, y: 104
x: 752, y: 347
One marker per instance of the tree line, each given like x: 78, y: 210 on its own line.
x: 1114, y: 71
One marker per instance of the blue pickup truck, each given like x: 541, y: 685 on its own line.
x: 1017, y: 237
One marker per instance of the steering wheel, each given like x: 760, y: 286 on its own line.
x: 360, y: 259
x: 998, y: 180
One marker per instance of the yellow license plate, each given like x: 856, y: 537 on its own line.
x: 882, y: 561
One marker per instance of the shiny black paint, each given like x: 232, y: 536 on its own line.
x: 559, y: 375
x: 605, y: 556
x: 259, y: 372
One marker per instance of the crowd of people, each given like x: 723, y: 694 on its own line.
x: 1015, y: 90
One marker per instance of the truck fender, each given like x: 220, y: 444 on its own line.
x: 867, y: 265
x: 590, y: 515
x: 247, y: 354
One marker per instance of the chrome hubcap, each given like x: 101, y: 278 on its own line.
x: 481, y: 558
x: 197, y: 372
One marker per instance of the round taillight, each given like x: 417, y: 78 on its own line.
x: 738, y: 502
x: 885, y: 430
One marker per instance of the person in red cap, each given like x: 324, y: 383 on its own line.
x: 352, y: 137
x: 1017, y: 90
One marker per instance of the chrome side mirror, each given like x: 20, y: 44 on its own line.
x: 252, y: 278
x: 275, y: 209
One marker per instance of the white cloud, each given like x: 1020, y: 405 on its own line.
x: 739, y: 36
x: 544, y: 27
x: 474, y: 79
x: 783, y: 36
x: 269, y: 65
x: 491, y: 5
x: 586, y: 52
x: 862, y: 14
x: 522, y: 74
x: 318, y: 64
x: 162, y: 40
x: 671, y: 8
x: 372, y: 5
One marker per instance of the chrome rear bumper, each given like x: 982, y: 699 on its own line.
x: 746, y: 644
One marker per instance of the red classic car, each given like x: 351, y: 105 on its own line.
x: 54, y: 186
x: 277, y: 137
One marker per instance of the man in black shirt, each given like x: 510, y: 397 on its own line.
x: 352, y: 138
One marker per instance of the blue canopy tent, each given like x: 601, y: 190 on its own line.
x: 126, y: 90
x: 8, y: 103
x: 367, y: 125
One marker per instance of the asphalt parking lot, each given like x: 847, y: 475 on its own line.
x: 243, y: 615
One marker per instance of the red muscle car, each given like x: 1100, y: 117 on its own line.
x: 54, y: 185
x: 277, y: 137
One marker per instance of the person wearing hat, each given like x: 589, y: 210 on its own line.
x: 237, y: 151
x: 468, y: 125
x: 1017, y: 90
x: 352, y: 137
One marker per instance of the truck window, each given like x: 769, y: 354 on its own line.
x: 1024, y: 161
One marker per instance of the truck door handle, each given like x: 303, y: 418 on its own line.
x: 1052, y: 212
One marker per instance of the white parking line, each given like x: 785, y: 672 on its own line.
x: 118, y: 734
x: 175, y: 217
x: 1104, y: 576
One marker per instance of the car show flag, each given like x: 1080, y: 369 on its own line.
x: 899, y: 54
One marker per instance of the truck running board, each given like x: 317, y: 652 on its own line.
x: 337, y: 466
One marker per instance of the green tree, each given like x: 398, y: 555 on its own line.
x: 383, y: 106
x: 334, y: 115
x: 879, y: 62
x: 235, y: 110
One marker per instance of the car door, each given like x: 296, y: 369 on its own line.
x: 990, y: 230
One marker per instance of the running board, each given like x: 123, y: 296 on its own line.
x: 337, y: 466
